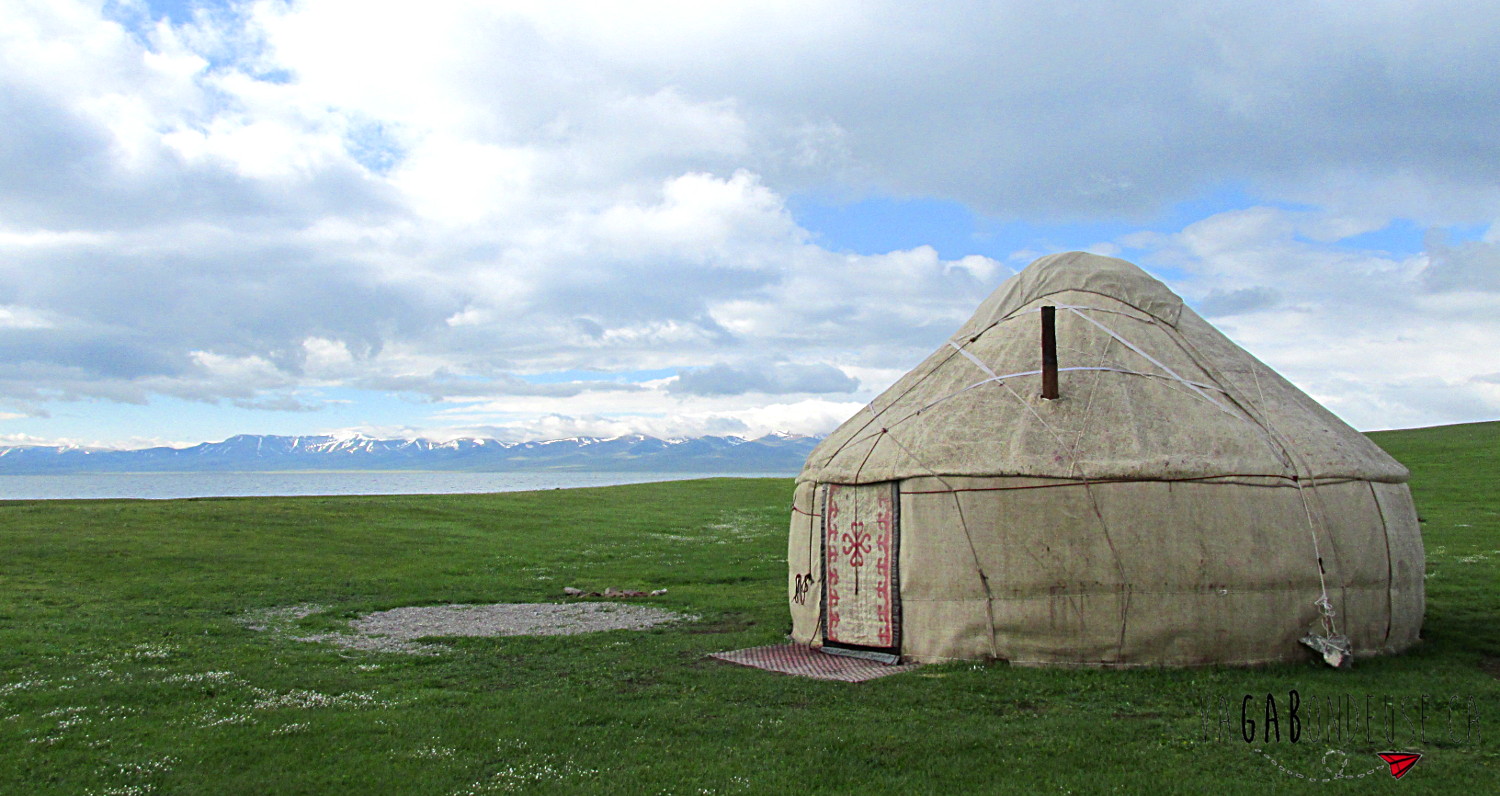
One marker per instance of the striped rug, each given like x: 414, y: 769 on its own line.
x: 804, y: 661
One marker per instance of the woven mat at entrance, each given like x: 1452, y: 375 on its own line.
x: 804, y: 661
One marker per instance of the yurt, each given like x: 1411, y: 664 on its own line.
x: 1089, y: 474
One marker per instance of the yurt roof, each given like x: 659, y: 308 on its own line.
x: 1148, y: 390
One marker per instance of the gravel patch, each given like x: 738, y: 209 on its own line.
x: 512, y: 619
x: 373, y: 643
x: 396, y: 630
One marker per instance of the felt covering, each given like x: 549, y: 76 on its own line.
x: 1172, y: 507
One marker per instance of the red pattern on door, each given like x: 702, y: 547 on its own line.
x: 859, y: 545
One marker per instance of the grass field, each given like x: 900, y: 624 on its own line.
x: 126, y: 666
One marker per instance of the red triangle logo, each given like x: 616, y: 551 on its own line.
x: 1401, y: 762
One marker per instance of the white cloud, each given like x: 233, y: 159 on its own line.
x: 1383, y: 342
x: 430, y: 201
x: 808, y: 416
x: 14, y: 317
x: 772, y: 378
x: 326, y: 358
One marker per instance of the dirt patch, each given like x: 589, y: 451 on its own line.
x: 1490, y: 664
x: 278, y: 620
x: 398, y: 629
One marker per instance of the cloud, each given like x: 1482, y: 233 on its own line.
x: 440, y: 385
x: 1377, y: 339
x: 1238, y: 301
x: 807, y: 416
x: 1035, y: 109
x: 278, y: 403
x: 768, y: 378
x: 107, y: 130
x: 1473, y: 265
x: 450, y: 205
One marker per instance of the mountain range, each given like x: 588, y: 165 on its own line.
x: 775, y: 452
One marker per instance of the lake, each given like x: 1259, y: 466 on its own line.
x: 162, y: 486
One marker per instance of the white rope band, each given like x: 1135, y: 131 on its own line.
x: 975, y: 360
x: 1153, y: 360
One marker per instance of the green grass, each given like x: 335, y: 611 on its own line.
x: 125, y: 666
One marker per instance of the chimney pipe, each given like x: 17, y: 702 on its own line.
x: 1049, y: 353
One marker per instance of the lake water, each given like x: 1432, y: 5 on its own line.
x: 161, y: 486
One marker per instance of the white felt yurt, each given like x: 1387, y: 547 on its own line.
x: 1178, y: 503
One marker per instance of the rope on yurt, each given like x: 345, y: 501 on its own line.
x: 984, y: 578
x: 1088, y: 491
x: 861, y: 469
x: 1197, y: 387
x: 1019, y: 313
x: 812, y: 523
x: 1323, y: 603
x: 986, y: 368
x: 1223, y: 478
x: 814, y: 527
x: 1018, y: 374
x: 1077, y: 466
x: 1390, y: 575
x: 1332, y: 645
x: 875, y: 416
x: 1126, y: 592
x: 1255, y: 412
x: 1153, y: 360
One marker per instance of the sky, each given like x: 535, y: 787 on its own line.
x: 530, y: 220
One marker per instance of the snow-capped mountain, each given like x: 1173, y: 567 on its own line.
x: 777, y: 452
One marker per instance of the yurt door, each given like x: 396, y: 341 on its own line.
x: 861, y: 603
